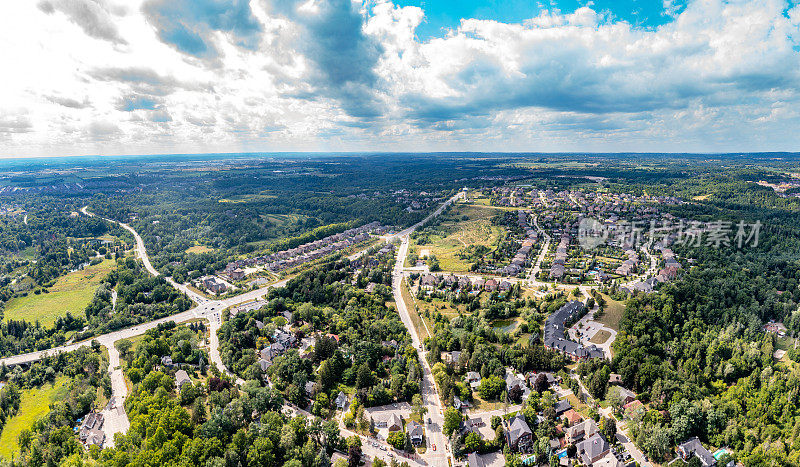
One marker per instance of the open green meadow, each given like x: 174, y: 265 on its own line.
x: 455, y: 233
x: 71, y: 292
x: 35, y: 404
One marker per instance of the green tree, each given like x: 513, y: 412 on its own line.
x: 472, y: 442
x: 397, y: 439
x: 452, y: 419
x: 609, y: 428
x: 491, y: 387
x: 260, y: 453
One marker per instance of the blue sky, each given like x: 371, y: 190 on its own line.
x: 198, y: 76
x: 441, y: 15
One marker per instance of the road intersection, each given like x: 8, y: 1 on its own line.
x: 211, y: 310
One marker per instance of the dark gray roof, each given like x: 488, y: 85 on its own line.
x: 592, y: 447
x: 518, y: 428
x: 554, y: 333
x: 562, y: 406
x: 693, y: 446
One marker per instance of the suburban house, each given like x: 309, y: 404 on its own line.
x: 519, y: 435
x: 166, y: 360
x: 91, y: 432
x: 581, y: 431
x: 633, y: 409
x: 458, y: 404
x: 284, y: 338
x: 272, y: 351
x: 341, y: 401
x: 573, y: 417
x: 473, y: 379
x: 626, y: 395
x: 592, y: 449
x: 562, y: 406
x: 428, y: 281
x: 492, y: 459
x: 181, y: 378
x: 214, y: 285
x: 416, y: 432
x: 451, y: 357
x: 693, y: 447
x: 513, y: 381
x: 391, y: 421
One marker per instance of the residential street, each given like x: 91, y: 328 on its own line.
x: 211, y: 310
x: 430, y: 396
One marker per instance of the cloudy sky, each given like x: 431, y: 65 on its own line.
x: 193, y: 76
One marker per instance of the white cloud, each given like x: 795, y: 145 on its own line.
x: 85, y: 76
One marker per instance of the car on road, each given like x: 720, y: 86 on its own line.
x: 434, y: 447
x: 429, y: 421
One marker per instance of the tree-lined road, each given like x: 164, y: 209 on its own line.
x: 430, y: 395
x: 211, y: 310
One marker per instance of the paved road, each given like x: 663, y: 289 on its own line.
x: 206, y: 309
x: 430, y: 396
x: 114, y: 416
x: 538, y: 266
x: 621, y: 428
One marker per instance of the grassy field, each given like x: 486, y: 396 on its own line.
x: 35, y: 403
x: 785, y: 343
x: 412, y: 311
x: 600, y: 337
x: 613, y: 313
x: 481, y: 405
x: 70, y: 293
x: 454, y: 234
x: 447, y: 309
x: 197, y: 249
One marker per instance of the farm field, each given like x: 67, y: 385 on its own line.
x: 454, y: 233
x: 35, y: 403
x: 70, y: 293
